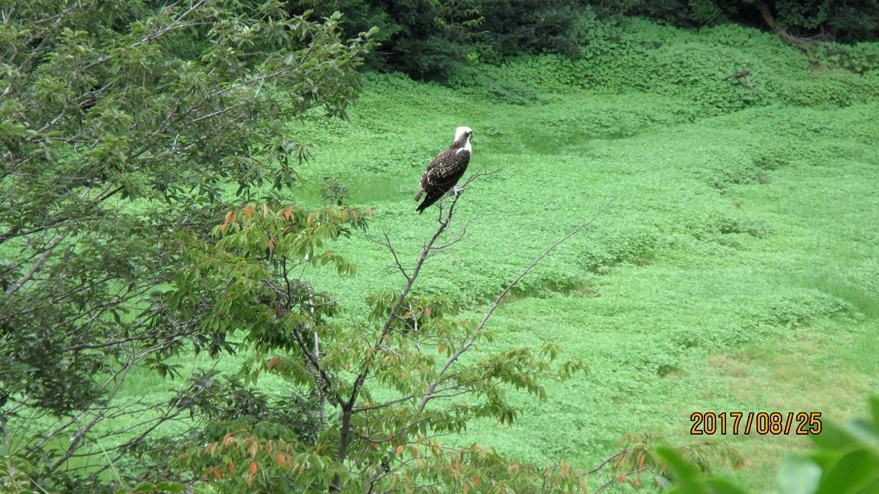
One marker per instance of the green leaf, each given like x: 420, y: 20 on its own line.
x: 718, y: 486
x: 798, y: 475
x: 145, y: 487
x: 683, y: 469
x: 870, y: 487
x: 171, y: 486
x: 863, y: 430
x: 874, y: 410
x: 850, y: 471
x: 834, y: 438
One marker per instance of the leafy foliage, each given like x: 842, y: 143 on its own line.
x: 845, y: 459
x: 370, y: 401
x: 846, y: 21
x: 122, y: 124
x: 445, y: 39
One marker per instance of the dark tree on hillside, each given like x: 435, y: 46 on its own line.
x: 824, y: 20
x: 438, y: 39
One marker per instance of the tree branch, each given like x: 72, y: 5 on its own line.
x: 348, y: 407
x: 38, y: 263
x: 472, y: 338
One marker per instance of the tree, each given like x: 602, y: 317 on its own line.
x: 122, y: 123
x: 368, y: 402
x: 798, y: 22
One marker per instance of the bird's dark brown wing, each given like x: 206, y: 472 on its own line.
x: 442, y: 174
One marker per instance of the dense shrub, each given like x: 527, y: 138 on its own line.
x: 827, y: 19
x: 439, y: 39
x: 423, y: 38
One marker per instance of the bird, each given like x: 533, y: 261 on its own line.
x: 446, y: 169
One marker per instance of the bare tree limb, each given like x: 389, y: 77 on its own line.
x: 472, y: 338
x: 348, y: 407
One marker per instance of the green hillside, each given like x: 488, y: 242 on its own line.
x: 737, y: 269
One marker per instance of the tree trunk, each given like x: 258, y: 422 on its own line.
x: 767, y: 17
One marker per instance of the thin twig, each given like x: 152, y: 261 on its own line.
x: 348, y: 407
x: 472, y: 338
x: 611, y: 481
x: 387, y: 244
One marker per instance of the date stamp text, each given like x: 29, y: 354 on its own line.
x: 775, y: 423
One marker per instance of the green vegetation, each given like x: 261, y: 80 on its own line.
x: 736, y: 269
x: 444, y: 39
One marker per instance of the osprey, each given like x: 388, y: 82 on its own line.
x: 446, y: 169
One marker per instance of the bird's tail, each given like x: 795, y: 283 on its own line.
x: 431, y: 198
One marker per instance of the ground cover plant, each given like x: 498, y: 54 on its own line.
x: 735, y: 270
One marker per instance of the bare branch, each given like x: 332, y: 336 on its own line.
x: 348, y: 407
x: 472, y: 338
x: 387, y: 244
x: 611, y: 481
x: 78, y: 436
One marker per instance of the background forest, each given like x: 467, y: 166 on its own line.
x: 214, y: 279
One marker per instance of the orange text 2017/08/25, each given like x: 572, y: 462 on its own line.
x: 775, y: 423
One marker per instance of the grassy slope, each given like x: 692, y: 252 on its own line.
x: 738, y: 268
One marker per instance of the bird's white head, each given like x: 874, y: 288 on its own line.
x: 462, y: 139
x: 463, y: 134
